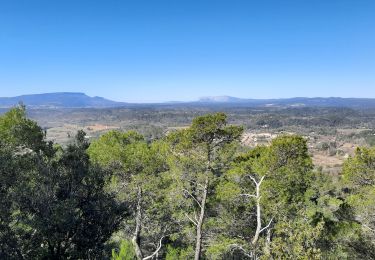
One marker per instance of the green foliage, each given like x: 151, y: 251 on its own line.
x: 18, y: 130
x: 359, y: 171
x: 10, y: 166
x: 110, y: 147
x: 138, y: 182
x: 205, y: 129
x: 286, y: 170
x: 359, y: 177
x: 70, y: 202
x: 59, y: 208
x: 221, y: 247
x: 202, y: 153
x: 290, y: 170
x: 126, y: 251
x: 179, y: 253
x: 359, y: 180
x: 296, y: 239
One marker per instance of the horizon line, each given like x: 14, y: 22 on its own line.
x: 198, y: 99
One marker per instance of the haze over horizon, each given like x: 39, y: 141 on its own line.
x: 180, y: 51
x: 81, y: 99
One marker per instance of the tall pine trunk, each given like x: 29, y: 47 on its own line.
x: 137, y: 232
x: 198, y: 245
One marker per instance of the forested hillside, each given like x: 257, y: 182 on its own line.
x: 193, y: 193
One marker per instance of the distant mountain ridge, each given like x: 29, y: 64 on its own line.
x: 292, y: 102
x: 81, y: 100
x: 59, y: 100
x: 220, y: 99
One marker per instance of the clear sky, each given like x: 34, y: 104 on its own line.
x: 157, y: 50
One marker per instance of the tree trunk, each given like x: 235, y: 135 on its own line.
x: 267, y: 248
x: 259, y: 221
x: 198, y: 245
x: 137, y: 232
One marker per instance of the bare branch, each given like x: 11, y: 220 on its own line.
x: 196, y: 183
x: 156, y: 251
x: 248, y: 195
x: 253, y: 179
x: 195, y: 223
x: 261, y: 179
x: 266, y: 226
x: 191, y: 195
x: 236, y: 246
x: 257, y: 183
x: 195, y: 216
x: 373, y: 230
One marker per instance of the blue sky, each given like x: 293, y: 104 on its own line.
x: 157, y: 50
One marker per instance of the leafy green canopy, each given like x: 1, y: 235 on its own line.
x: 138, y: 181
x: 284, y: 169
x: 16, y: 129
x: 359, y: 181
x: 201, y: 154
x: 54, y: 201
x: 69, y: 203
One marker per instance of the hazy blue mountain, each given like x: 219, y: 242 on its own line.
x: 59, y: 100
x: 292, y: 102
x: 220, y: 99
x: 81, y: 100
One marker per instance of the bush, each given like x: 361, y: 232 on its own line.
x: 126, y: 251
